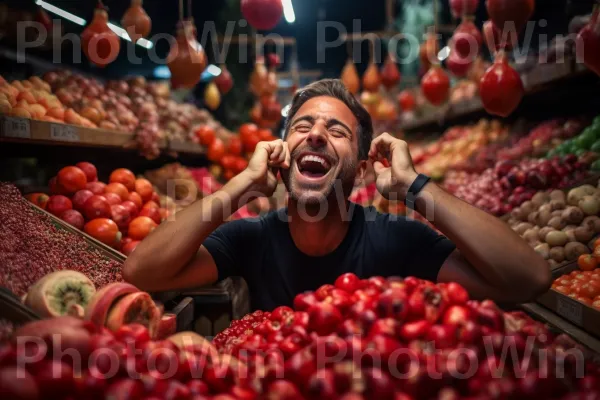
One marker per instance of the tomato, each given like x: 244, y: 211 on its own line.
x: 144, y: 188
x: 265, y: 135
x: 248, y: 130
x: 563, y: 281
x: 119, y: 189
x: 563, y: 289
x: 71, y: 179
x: 39, y: 199
x: 587, y: 262
x: 129, y: 247
x: 136, y: 199
x: 234, y: 146
x: 216, y: 151
x: 584, y: 300
x: 112, y: 198
x: 131, y: 207
x: 590, y: 290
x: 152, y: 213
x: 206, y: 135
x: 58, y: 204
x: 228, y: 174
x: 596, y: 304
x: 121, y: 216
x: 104, y: 230
x: 580, y: 276
x: 576, y: 287
x: 91, y: 173
x: 250, y: 144
x: 96, y: 207
x: 151, y: 204
x: 596, y: 243
x: 596, y: 253
x: 240, y: 164
x: 96, y: 187
x: 228, y: 161
x: 124, y: 176
x: 141, y: 227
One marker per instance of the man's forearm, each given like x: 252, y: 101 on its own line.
x: 164, y: 253
x: 497, y: 253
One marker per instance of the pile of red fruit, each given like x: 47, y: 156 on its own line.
x: 360, y: 339
x: 399, y: 339
x: 119, y: 214
x: 500, y: 189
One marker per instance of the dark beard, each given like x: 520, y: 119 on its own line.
x: 343, y: 181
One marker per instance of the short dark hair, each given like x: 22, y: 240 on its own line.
x: 336, y: 89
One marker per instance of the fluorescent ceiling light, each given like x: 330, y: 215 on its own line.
x: 123, y: 34
x: 288, y: 11
x: 213, y: 70
x: 444, y: 53
x: 61, y: 13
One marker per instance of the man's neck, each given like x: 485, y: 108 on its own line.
x: 316, y: 232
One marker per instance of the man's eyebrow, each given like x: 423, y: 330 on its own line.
x: 332, y: 121
x: 307, y: 118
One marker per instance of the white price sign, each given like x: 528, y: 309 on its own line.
x: 16, y: 128
x: 570, y: 309
x: 64, y: 133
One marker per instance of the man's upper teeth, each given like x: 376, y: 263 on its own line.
x: 315, y: 159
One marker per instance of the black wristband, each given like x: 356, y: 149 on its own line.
x: 415, y: 189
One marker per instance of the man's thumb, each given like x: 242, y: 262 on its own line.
x: 379, y: 167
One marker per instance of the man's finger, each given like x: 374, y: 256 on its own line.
x: 288, y: 157
x: 379, y: 167
x: 278, y: 148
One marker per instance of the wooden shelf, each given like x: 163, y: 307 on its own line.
x: 534, y: 80
x: 29, y: 131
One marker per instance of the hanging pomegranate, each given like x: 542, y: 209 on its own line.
x: 136, y: 22
x: 588, y: 43
x: 467, y: 39
x: 390, y: 74
x: 435, y: 85
x: 187, y: 59
x: 212, y: 97
x: 224, y: 81
x: 99, y: 43
x: 43, y: 18
x: 274, y: 60
x: 271, y: 83
x: 460, y: 8
x: 271, y: 111
x: 262, y: 14
x: 371, y: 79
x: 457, y: 65
x: 256, y: 113
x: 350, y: 77
x: 428, y: 52
x: 502, y: 12
x: 407, y: 101
x: 386, y: 111
x: 258, y: 77
x: 501, y: 88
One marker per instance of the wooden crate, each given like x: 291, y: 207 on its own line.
x: 581, y: 315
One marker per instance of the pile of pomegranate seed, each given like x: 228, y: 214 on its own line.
x: 239, y: 330
x: 31, y: 246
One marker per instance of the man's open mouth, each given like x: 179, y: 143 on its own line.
x: 313, y: 166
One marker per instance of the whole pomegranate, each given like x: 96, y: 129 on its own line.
x: 262, y: 14
x: 504, y: 12
x: 435, y: 85
x: 501, y: 88
x: 588, y: 43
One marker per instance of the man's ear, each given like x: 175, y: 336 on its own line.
x: 361, y: 172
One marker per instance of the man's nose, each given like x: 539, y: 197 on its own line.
x: 317, y: 136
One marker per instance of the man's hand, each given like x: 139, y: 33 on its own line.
x: 267, y: 160
x: 393, y: 166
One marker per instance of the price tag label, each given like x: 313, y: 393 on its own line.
x: 64, y: 133
x: 16, y: 128
x: 570, y: 309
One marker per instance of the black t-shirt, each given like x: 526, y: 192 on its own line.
x: 262, y: 251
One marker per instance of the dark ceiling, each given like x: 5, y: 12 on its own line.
x: 164, y: 14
